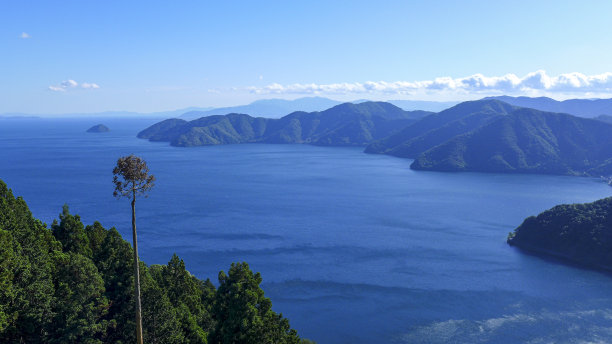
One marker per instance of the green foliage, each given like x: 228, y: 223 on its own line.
x: 342, y: 125
x: 71, y: 233
x: 160, y: 318
x: 79, y: 303
x: 579, y: 232
x: 163, y: 127
x: 243, y: 314
x: 186, y: 293
x: 29, y: 308
x: 74, y: 284
x: 8, y: 266
x: 113, y: 258
x: 307, y: 341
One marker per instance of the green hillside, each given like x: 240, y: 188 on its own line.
x: 527, y: 141
x: 342, y: 125
x: 438, y: 128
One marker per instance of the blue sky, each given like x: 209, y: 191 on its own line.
x: 86, y: 56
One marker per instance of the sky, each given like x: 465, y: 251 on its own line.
x: 145, y: 56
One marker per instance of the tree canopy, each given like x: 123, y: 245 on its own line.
x: 73, y: 284
x: 131, y: 175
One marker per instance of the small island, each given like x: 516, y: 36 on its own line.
x: 99, y: 128
x: 580, y: 233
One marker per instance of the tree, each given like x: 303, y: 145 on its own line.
x: 80, y: 304
x: 29, y: 305
x: 244, y: 315
x: 8, y: 262
x: 188, y: 296
x: 113, y: 256
x: 71, y: 233
x: 131, y: 177
x: 161, y: 324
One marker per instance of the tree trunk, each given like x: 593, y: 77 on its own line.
x: 136, y: 273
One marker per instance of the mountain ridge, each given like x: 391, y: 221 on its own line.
x: 486, y: 135
x: 438, y: 128
x: 345, y: 124
x: 588, y: 108
x: 527, y: 141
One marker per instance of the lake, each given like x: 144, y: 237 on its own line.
x: 353, y: 248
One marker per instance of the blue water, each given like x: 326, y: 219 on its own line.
x: 353, y: 248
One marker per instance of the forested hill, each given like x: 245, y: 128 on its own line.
x: 74, y: 284
x: 346, y: 124
x: 579, y: 232
x: 527, y: 141
x: 492, y: 136
x: 439, y: 128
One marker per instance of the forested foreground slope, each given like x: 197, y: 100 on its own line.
x: 74, y: 284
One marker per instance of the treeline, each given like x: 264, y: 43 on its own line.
x: 74, y: 284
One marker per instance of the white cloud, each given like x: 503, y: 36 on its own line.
x: 71, y: 84
x: 25, y: 35
x: 89, y: 85
x: 534, y: 83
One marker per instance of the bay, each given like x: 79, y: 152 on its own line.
x: 353, y: 248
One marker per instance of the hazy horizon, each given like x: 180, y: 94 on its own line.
x: 162, y: 112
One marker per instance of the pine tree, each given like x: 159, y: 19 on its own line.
x: 131, y: 178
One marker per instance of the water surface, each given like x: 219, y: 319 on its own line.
x: 353, y: 248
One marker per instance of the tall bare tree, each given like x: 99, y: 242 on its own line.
x: 131, y: 177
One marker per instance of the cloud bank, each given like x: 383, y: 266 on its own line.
x: 25, y: 35
x: 538, y: 82
x: 71, y: 84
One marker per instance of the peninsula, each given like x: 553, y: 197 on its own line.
x: 346, y: 124
x: 581, y: 233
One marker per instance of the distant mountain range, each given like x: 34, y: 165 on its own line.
x: 276, y: 108
x: 485, y: 135
x: 346, y: 124
x: 579, y: 107
x: 271, y: 108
